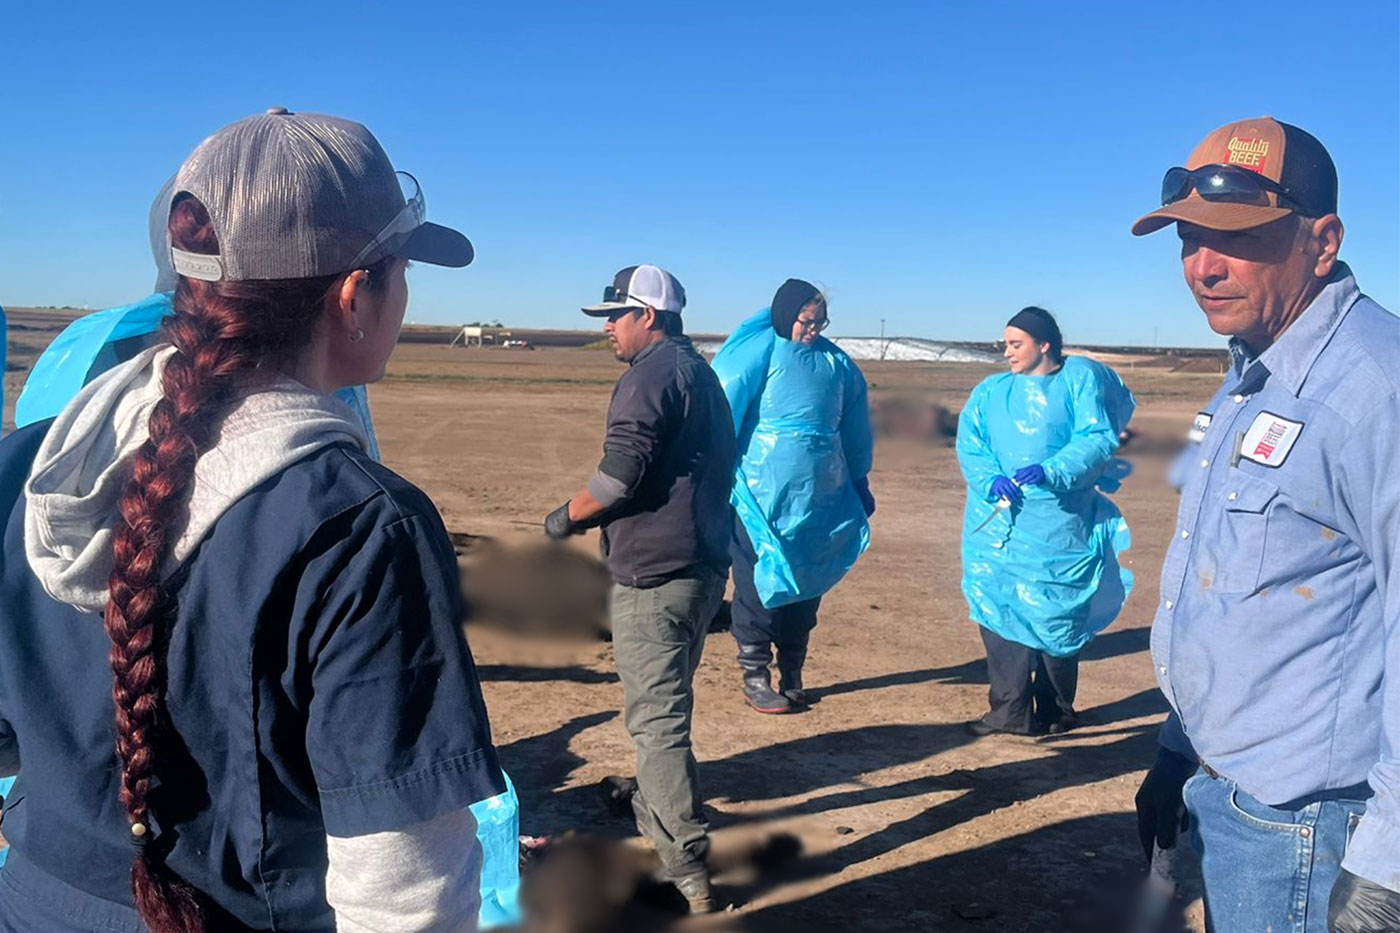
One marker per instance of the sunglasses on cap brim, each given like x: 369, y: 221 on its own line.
x: 1223, y: 183
x: 614, y: 295
x: 397, y: 230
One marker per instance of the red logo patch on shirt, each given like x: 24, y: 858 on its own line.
x: 1270, y: 439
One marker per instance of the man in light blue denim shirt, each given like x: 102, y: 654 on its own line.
x: 1277, y: 636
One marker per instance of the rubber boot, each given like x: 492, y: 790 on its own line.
x: 790, y: 661
x: 758, y: 683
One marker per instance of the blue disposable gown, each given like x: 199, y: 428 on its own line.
x: 1045, y: 573
x: 802, y: 418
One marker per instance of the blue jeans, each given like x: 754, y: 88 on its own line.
x: 1266, y: 869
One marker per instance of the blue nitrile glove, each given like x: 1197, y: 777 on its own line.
x: 1003, y: 488
x: 866, y: 499
x: 1030, y: 475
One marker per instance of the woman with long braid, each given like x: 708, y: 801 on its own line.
x: 298, y: 728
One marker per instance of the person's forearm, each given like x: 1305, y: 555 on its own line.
x: 613, y: 484
x: 584, y: 507
x: 1173, y: 737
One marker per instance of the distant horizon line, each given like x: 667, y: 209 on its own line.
x: 980, y: 344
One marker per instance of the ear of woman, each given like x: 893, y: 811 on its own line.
x: 352, y: 303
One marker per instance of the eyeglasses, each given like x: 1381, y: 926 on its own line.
x: 396, y: 231
x: 814, y: 326
x: 1226, y: 183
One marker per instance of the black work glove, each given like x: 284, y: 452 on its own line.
x: 558, y: 525
x: 1160, y: 810
x: 1361, y: 906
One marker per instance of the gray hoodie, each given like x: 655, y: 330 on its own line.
x: 85, y: 460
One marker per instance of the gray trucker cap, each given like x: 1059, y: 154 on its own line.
x: 301, y: 195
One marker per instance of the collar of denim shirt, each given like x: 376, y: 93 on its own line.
x: 1292, y: 355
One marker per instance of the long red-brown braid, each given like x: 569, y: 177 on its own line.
x: 222, y: 332
x: 198, y: 384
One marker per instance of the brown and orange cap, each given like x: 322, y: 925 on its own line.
x: 1290, y: 158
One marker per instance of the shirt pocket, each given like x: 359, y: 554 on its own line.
x: 1244, y: 532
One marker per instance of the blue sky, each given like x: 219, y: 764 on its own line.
x: 938, y: 165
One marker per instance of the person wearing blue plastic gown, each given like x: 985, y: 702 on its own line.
x: 801, y: 494
x: 1040, y: 542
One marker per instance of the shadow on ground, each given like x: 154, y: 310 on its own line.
x: 1000, y: 887
x: 1008, y: 884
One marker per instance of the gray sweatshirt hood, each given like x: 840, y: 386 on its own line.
x: 85, y: 459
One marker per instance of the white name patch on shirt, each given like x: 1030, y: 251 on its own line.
x: 1199, y: 425
x: 1269, y: 439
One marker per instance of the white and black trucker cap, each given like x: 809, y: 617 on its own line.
x: 302, y: 195
x: 640, y: 287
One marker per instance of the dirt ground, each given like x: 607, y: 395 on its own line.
x: 909, y: 823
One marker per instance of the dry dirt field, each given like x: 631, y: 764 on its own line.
x: 909, y: 823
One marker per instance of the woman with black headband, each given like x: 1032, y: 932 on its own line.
x: 801, y: 495
x: 1040, y: 541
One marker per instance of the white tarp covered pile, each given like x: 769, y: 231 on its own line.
x: 897, y: 348
x: 911, y: 348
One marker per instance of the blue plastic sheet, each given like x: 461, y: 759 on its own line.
x: 802, y: 418
x: 85, y: 348
x: 498, y: 828
x: 1046, y: 573
x: 96, y: 342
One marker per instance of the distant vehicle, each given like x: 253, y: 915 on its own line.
x: 517, y: 345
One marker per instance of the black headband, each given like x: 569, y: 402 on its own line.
x: 792, y: 297
x: 1039, y: 324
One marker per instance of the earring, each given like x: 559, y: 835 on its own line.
x: 357, y: 336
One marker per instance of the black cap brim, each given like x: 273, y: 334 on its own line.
x: 609, y: 308
x: 439, y: 246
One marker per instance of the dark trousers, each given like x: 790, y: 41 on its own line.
x: 1029, y: 689
x: 787, y: 627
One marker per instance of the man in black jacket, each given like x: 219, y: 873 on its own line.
x: 661, y: 496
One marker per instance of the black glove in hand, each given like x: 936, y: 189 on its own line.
x: 558, y: 525
x: 1160, y: 810
x: 1361, y: 906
